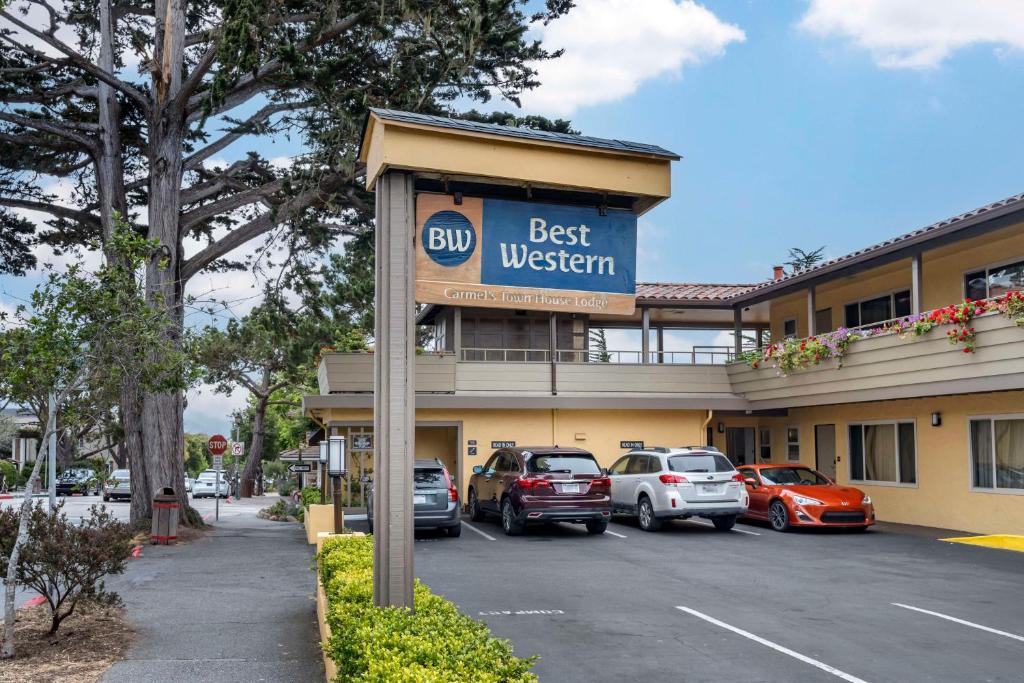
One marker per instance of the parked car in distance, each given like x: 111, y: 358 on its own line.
x: 188, y: 483
x: 655, y: 484
x: 205, y: 485
x: 541, y: 484
x: 789, y: 496
x: 434, y: 496
x: 80, y: 480
x: 118, y: 486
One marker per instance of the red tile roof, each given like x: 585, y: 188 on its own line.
x: 672, y: 291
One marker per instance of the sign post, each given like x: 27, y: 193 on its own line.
x: 217, y: 445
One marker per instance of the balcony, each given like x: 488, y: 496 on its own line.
x: 888, y: 367
x: 698, y: 375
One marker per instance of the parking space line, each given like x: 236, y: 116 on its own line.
x: 739, y: 531
x: 940, y: 615
x: 473, y: 528
x: 775, y: 646
x: 616, y: 535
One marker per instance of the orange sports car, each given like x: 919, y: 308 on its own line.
x: 792, y: 495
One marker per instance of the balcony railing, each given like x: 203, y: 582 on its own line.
x: 698, y: 355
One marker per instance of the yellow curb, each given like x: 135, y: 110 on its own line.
x: 1013, y: 542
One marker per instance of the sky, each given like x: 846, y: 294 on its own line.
x: 804, y: 123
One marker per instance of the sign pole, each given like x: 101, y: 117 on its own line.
x: 394, y: 398
x: 217, y: 444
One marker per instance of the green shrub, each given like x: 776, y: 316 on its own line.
x: 310, y: 496
x: 434, y: 644
x: 10, y: 473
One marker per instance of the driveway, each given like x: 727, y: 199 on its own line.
x: 693, y: 604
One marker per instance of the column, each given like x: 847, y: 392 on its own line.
x: 645, y: 335
x: 916, y: 295
x: 457, y: 331
x: 394, y: 396
x: 661, y: 344
x: 737, y: 330
x: 811, y: 306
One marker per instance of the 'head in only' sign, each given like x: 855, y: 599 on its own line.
x: 217, y: 444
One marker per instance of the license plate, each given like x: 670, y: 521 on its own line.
x: 711, y: 488
x: 570, y: 488
x: 419, y: 500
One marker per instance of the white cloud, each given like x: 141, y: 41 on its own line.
x: 612, y: 46
x: 208, y: 412
x: 911, y: 34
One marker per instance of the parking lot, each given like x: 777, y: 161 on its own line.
x: 693, y: 604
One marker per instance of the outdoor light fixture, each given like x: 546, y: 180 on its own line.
x: 721, y: 428
x: 336, y: 456
x: 936, y: 419
x: 323, y: 452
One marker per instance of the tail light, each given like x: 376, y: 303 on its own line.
x: 605, y: 482
x: 738, y: 477
x: 453, y: 493
x: 530, y: 484
x: 673, y: 479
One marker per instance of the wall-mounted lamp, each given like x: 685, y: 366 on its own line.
x: 936, y: 419
x: 336, y: 456
x: 721, y: 428
x: 323, y: 452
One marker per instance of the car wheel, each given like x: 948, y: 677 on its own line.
x: 645, y: 513
x: 509, y: 523
x: 597, y: 527
x: 454, y: 531
x: 778, y: 516
x: 475, y: 513
x: 106, y: 499
x: 724, y: 523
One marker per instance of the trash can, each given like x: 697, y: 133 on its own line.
x: 165, y: 518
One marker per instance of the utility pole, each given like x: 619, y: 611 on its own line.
x: 51, y: 461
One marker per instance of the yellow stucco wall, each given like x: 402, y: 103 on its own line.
x: 598, y: 431
x: 942, y: 496
x: 943, y: 271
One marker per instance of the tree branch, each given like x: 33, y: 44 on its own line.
x: 46, y: 127
x: 236, y: 201
x: 52, y: 209
x: 242, y: 129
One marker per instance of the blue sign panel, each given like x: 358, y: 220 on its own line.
x: 526, y: 244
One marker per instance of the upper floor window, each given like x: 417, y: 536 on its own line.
x: 789, y: 328
x: 997, y: 453
x: 883, y: 452
x: 879, y: 309
x: 766, y: 444
x: 994, y: 281
x: 793, y: 444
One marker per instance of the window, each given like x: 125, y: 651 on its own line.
x: 994, y: 281
x: 711, y: 462
x: 793, y: 444
x: 879, y: 309
x: 765, y: 441
x: 883, y: 452
x: 620, y: 465
x: 653, y: 464
x: 997, y: 453
x: 789, y: 328
x: 637, y: 465
x: 564, y: 463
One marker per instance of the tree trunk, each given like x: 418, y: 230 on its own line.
x: 13, y: 561
x: 131, y: 413
x: 252, y: 465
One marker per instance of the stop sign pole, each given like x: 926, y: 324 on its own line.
x: 217, y: 445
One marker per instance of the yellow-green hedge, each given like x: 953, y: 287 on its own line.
x: 434, y: 644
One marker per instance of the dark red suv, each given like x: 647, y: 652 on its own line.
x: 541, y: 484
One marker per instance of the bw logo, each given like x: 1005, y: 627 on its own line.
x: 448, y: 238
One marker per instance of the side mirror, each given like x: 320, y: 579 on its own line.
x: 751, y: 482
x: 606, y: 472
x: 478, y: 469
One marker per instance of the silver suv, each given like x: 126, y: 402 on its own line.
x: 655, y: 484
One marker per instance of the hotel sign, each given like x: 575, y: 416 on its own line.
x: 499, y: 253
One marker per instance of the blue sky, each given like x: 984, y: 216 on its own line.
x: 833, y: 123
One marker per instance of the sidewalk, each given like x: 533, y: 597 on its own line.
x: 236, y: 605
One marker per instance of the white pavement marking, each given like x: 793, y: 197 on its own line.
x: 739, y: 531
x: 473, y: 528
x: 940, y: 615
x: 775, y: 646
x: 615, y: 534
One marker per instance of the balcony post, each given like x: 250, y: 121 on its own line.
x: 553, y: 350
x: 737, y: 330
x: 812, y: 304
x: 645, y: 335
x: 916, y: 296
x: 661, y: 343
x: 457, y: 332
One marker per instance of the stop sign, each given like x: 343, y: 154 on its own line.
x: 217, y: 444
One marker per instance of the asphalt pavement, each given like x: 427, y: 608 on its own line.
x: 694, y: 604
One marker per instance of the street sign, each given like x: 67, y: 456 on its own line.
x: 218, y: 462
x: 631, y: 445
x: 237, y: 448
x: 303, y: 467
x: 362, y: 442
x: 217, y: 444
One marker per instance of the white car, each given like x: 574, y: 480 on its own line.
x: 205, y: 485
x: 656, y: 484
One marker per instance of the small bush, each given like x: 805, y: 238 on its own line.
x: 66, y: 562
x: 9, y: 473
x: 283, y: 508
x: 434, y: 644
x: 310, y: 496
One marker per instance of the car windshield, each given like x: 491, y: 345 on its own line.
x: 700, y: 462
x: 793, y: 476
x: 428, y: 479
x: 208, y: 476
x: 120, y: 474
x: 575, y: 463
